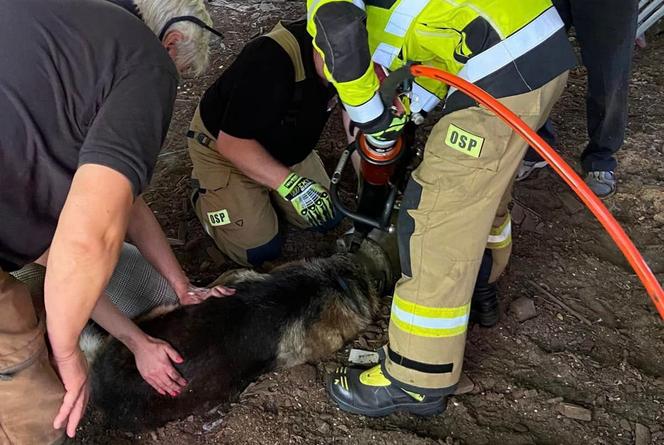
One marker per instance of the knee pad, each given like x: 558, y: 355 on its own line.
x: 266, y: 252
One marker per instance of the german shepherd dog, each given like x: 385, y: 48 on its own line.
x: 299, y: 312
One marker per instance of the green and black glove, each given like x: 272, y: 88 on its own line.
x: 310, y: 199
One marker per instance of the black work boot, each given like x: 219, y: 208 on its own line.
x: 484, y: 305
x: 369, y: 393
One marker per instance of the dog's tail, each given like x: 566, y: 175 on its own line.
x: 91, y: 342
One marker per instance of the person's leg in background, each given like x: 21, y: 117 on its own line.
x: 240, y: 218
x: 532, y: 161
x: 606, y: 30
x: 235, y: 211
x: 135, y: 286
x: 607, y: 46
x: 30, y: 391
x: 484, y: 307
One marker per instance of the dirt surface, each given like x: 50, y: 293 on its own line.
x: 603, y: 351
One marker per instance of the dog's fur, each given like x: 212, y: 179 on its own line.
x: 297, y: 313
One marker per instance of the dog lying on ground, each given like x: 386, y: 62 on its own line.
x: 299, y: 312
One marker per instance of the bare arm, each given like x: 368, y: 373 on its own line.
x: 249, y: 156
x: 83, y: 254
x: 146, y: 233
x: 84, y: 251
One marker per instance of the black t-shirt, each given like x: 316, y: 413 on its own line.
x: 257, y: 98
x: 81, y: 82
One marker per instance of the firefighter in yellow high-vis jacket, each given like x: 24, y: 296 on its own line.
x: 457, y: 199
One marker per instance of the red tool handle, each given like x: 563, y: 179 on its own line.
x: 563, y: 169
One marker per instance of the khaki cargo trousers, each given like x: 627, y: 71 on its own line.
x: 237, y: 212
x: 30, y: 391
x: 455, y: 201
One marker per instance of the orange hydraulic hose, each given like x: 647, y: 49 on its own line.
x: 563, y: 169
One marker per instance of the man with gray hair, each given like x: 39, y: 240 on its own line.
x: 86, y: 91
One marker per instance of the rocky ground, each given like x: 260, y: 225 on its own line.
x: 587, y: 368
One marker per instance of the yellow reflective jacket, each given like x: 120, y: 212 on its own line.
x: 507, y: 47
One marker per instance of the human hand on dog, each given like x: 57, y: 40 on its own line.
x: 195, y: 295
x: 154, y: 359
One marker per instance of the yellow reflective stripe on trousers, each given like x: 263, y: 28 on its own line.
x: 501, y: 236
x: 428, y: 332
x: 513, y: 47
x: 428, y: 321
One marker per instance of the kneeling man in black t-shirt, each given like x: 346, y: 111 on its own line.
x: 86, y: 94
x: 251, y: 142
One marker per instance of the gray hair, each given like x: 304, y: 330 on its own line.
x: 193, y: 49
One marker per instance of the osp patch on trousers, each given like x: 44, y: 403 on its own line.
x: 454, y: 207
x: 237, y: 212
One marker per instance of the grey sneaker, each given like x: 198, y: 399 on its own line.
x: 603, y: 184
x: 528, y: 167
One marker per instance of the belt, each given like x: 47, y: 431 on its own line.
x: 196, y: 191
x: 201, y: 138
